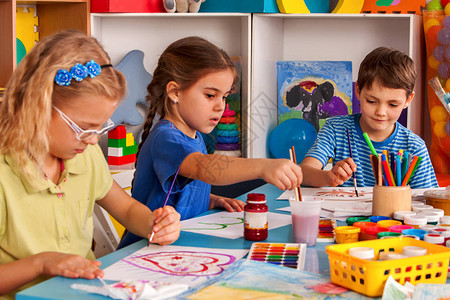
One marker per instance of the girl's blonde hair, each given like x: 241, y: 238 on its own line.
x: 184, y: 61
x: 26, y: 110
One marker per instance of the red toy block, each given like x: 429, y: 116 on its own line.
x: 121, y: 160
x: 130, y: 6
x: 118, y: 133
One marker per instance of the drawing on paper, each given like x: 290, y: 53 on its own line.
x: 332, y: 193
x: 182, y: 263
x: 217, y: 226
x: 339, y: 193
x: 314, y: 90
x: 174, y: 264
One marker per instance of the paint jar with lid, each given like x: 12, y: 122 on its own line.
x: 418, y: 208
x: 388, y: 235
x: 416, y: 232
x: 352, y: 220
x: 400, y: 214
x: 410, y: 236
x: 432, y: 218
x: 346, y: 234
x: 375, y: 219
x: 255, y: 217
x: 415, y: 221
x: 444, y: 222
x: 371, y: 232
x: 388, y: 223
x: 412, y: 251
x: 399, y: 228
x: 362, y: 252
x: 434, y: 238
x: 444, y: 232
x: 438, y: 211
x: 428, y: 227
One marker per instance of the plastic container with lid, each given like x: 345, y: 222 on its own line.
x: 362, y: 252
x: 444, y: 232
x: 428, y: 227
x: 445, y: 221
x: 434, y: 238
x: 255, y: 217
x: 410, y: 236
x: 399, y: 228
x: 439, y: 198
x: 416, y: 232
x: 371, y: 232
x: 432, y: 217
x: 352, y: 220
x: 400, y: 215
x: 388, y: 234
x: 375, y: 219
x: 414, y: 251
x: 438, y: 211
x: 388, y: 223
x: 346, y: 234
x: 418, y: 208
x: 415, y: 221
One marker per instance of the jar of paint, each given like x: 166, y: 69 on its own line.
x: 346, y: 234
x: 375, y: 219
x: 421, y: 207
x: 388, y: 234
x: 388, y: 223
x: 415, y: 221
x: 255, y: 217
x: 352, y: 220
x: 371, y: 232
x: 432, y: 218
x: 434, y: 238
x: 400, y: 214
x: 399, y: 228
x: 362, y: 252
x: 412, y: 251
x: 410, y: 236
x: 444, y: 232
x: 428, y: 227
x: 416, y: 232
x: 438, y: 211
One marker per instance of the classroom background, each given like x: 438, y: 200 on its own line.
x: 269, y: 41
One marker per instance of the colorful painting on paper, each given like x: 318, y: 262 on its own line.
x: 177, y: 264
x: 314, y: 90
x: 249, y: 279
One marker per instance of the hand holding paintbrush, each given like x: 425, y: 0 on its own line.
x: 351, y: 156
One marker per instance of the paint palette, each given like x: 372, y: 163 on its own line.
x: 287, y: 255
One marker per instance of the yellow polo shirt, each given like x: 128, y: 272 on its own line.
x: 48, y: 216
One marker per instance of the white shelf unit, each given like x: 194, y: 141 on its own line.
x: 263, y: 39
x: 340, y: 37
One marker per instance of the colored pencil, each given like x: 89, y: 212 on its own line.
x: 165, y: 201
x: 391, y: 175
x: 410, y: 170
x: 369, y: 143
x: 404, y: 164
x: 351, y: 156
x: 298, y: 192
x: 415, y: 168
x: 386, y: 171
x: 398, y: 168
x: 380, y: 171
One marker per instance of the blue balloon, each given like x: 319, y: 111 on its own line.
x: 293, y: 132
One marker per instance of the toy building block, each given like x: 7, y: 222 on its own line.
x: 118, y: 133
x: 113, y: 151
x: 129, y: 139
x: 121, y: 160
x: 119, y: 143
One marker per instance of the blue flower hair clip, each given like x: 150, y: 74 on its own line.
x: 78, y: 72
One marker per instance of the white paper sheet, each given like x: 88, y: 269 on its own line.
x: 173, y: 264
x: 229, y: 224
x: 332, y: 193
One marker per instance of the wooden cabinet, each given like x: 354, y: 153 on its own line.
x: 53, y: 16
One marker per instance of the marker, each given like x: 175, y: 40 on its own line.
x: 411, y: 168
x: 415, y: 168
x: 398, y: 169
x: 369, y: 143
x: 386, y: 170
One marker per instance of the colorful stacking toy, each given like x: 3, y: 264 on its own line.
x: 228, y: 141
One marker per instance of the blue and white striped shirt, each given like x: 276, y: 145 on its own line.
x: 332, y: 143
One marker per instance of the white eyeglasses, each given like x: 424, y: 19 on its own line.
x: 84, y: 134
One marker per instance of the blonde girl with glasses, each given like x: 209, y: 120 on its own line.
x: 52, y: 171
x: 188, y: 91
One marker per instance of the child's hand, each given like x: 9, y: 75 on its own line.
x: 228, y: 204
x: 68, y: 265
x: 341, y: 172
x: 282, y: 173
x: 167, y: 225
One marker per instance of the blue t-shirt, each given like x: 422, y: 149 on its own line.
x: 162, y: 153
x: 332, y: 143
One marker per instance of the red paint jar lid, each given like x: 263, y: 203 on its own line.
x: 256, y: 197
x: 373, y: 230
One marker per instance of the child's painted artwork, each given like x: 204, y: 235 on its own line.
x: 314, y: 90
x: 333, y: 193
x: 248, y: 279
x: 228, y: 225
x: 177, y: 264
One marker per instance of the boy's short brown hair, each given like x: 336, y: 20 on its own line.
x: 390, y: 67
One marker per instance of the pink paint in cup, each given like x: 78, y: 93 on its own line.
x: 305, y: 220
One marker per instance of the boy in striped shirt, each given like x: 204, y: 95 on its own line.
x: 385, y: 87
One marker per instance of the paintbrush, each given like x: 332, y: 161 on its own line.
x: 351, y: 156
x: 165, y: 201
x: 298, y: 192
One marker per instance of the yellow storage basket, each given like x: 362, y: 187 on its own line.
x: 368, y: 277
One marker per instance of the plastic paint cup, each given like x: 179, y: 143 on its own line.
x: 362, y: 252
x: 414, y: 251
x: 346, y: 234
x: 375, y: 219
x: 388, y: 223
x: 389, y: 234
x: 305, y: 220
x: 400, y: 215
x: 416, y: 232
x: 352, y: 220
x: 399, y: 228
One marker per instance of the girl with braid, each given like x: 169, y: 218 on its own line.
x: 188, y: 91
